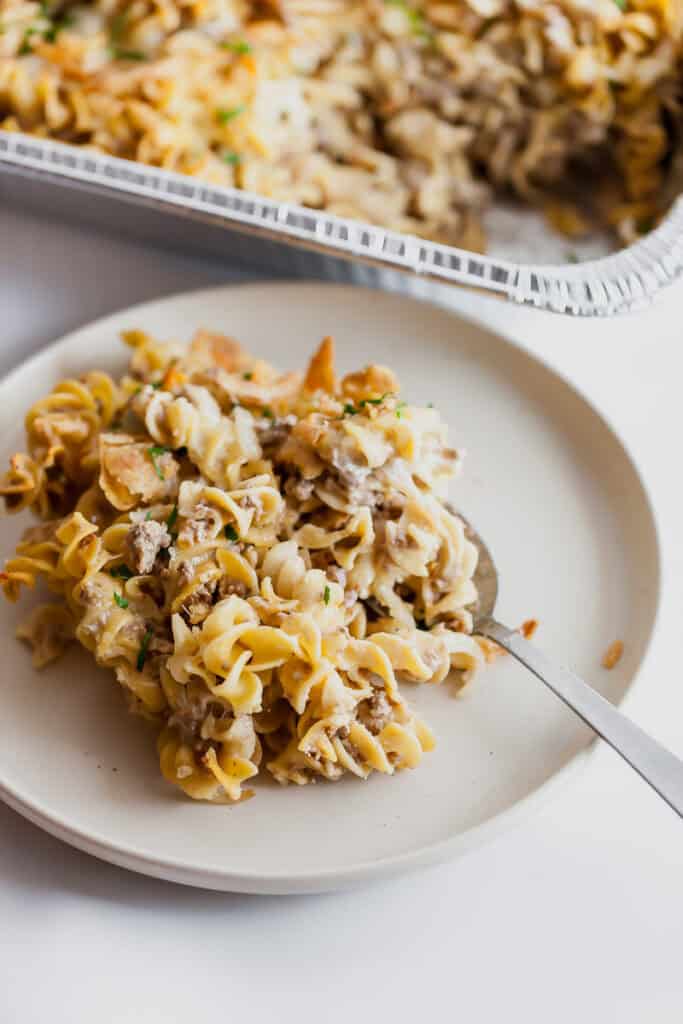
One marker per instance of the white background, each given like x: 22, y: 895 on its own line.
x: 577, y: 915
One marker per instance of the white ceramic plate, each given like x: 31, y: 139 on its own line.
x: 550, y: 488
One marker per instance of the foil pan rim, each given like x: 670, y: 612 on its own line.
x: 623, y: 281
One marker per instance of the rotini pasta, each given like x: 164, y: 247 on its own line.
x: 260, y: 559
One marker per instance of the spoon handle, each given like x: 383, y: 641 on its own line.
x: 660, y: 768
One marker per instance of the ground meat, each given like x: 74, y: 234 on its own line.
x: 160, y: 645
x: 143, y: 544
x: 251, y: 501
x: 272, y: 433
x: 353, y: 480
x: 350, y: 474
x: 374, y: 609
x: 375, y: 712
x: 228, y: 586
x: 154, y: 589
x: 337, y: 575
x: 199, y: 603
x: 202, y: 525
x: 300, y: 489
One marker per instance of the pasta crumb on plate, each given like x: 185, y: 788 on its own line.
x: 260, y: 557
x: 613, y: 654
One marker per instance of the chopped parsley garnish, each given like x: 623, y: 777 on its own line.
x: 241, y: 46
x: 645, y: 225
x: 399, y: 410
x: 116, y: 31
x: 25, y: 45
x: 374, y: 401
x: 326, y: 595
x: 65, y: 21
x: 119, y: 54
x: 350, y: 409
x: 142, y: 653
x: 231, y: 158
x: 572, y: 257
x: 154, y: 452
x: 117, y: 27
x: 148, y: 517
x: 230, y: 532
x: 248, y: 375
x: 156, y: 384
x: 621, y: 4
x: 121, y: 601
x: 121, y: 572
x: 225, y: 115
x: 268, y: 413
x: 172, y: 516
x: 418, y: 25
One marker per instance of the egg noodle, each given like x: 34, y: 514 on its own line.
x: 409, y: 114
x: 259, y: 557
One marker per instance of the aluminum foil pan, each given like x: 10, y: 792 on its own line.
x: 245, y: 228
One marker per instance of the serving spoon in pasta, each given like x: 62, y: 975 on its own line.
x: 659, y: 767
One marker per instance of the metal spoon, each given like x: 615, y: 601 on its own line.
x: 660, y: 768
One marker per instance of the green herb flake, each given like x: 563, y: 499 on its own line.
x: 268, y: 413
x: 172, y: 516
x: 231, y: 533
x: 154, y: 452
x: 644, y: 226
x: 247, y: 376
x: 418, y: 26
x: 117, y: 27
x: 148, y: 517
x: 65, y: 21
x: 399, y: 410
x: 120, y: 54
x: 374, y: 401
x: 121, y: 572
x: 572, y: 257
x: 231, y: 158
x: 241, y: 46
x: 349, y: 409
x: 156, y: 384
x: 142, y: 653
x: 326, y: 595
x: 121, y: 601
x: 621, y: 4
x: 223, y: 116
x: 26, y: 47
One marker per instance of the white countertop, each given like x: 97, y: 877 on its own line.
x: 577, y: 915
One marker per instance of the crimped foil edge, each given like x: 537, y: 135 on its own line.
x: 623, y: 281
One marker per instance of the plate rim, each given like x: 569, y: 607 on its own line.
x: 326, y: 879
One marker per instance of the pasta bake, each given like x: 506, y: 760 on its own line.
x: 408, y: 114
x: 259, y: 557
